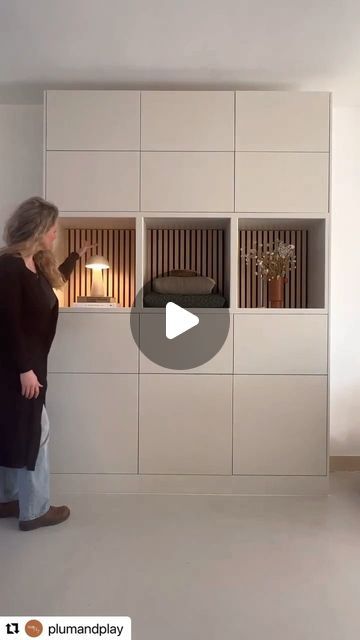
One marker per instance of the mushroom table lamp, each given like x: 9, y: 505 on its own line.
x: 97, y: 264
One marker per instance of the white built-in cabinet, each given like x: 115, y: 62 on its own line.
x: 282, y: 121
x: 259, y: 409
x: 187, y: 181
x: 282, y: 152
x: 220, y: 363
x: 280, y: 425
x: 280, y: 344
x: 93, y: 120
x: 185, y: 424
x: 94, y: 419
x: 98, y: 181
x: 187, y: 121
x: 187, y: 143
x: 285, y: 182
x: 103, y: 345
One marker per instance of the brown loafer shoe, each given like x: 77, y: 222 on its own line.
x: 55, y: 515
x: 9, y: 509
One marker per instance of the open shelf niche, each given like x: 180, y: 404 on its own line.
x: 306, y: 286
x: 116, y: 238
x: 201, y: 244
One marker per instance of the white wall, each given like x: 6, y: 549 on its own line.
x: 20, y: 156
x: 345, y: 285
x: 21, y: 176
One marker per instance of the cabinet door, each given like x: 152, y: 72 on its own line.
x: 185, y: 424
x: 265, y: 344
x: 282, y: 182
x: 93, y: 120
x: 282, y: 121
x: 187, y: 120
x: 196, y: 342
x: 88, y: 181
x: 103, y: 345
x: 280, y: 425
x: 94, y: 423
x: 185, y: 181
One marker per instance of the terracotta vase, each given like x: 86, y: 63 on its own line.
x: 276, y: 293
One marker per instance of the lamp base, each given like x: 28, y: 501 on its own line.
x: 95, y: 299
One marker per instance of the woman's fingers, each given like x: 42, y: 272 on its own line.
x: 27, y: 392
x: 38, y: 390
x: 30, y: 391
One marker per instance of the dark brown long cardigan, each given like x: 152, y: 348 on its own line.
x: 29, y: 312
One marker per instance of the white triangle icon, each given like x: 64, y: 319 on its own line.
x: 178, y: 320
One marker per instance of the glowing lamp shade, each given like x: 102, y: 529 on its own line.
x: 97, y: 264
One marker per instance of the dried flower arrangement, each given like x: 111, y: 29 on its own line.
x: 274, y: 262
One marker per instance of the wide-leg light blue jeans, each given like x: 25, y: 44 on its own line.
x: 31, y: 488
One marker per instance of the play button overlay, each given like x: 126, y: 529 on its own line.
x: 177, y: 338
x: 178, y: 320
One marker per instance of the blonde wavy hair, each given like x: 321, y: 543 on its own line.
x: 23, y: 234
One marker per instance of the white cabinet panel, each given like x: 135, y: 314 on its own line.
x: 187, y: 120
x: 94, y: 423
x: 93, y: 120
x: 280, y: 425
x: 194, y: 342
x: 282, y: 182
x: 94, y: 343
x: 185, y: 424
x: 282, y: 121
x: 265, y: 344
x: 93, y: 181
x: 185, y: 181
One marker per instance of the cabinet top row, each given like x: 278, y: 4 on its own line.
x: 187, y: 121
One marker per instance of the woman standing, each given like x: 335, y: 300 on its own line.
x: 28, y: 318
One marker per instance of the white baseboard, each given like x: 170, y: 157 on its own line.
x: 193, y: 484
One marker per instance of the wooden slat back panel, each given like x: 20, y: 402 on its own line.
x: 201, y: 250
x: 118, y: 246
x: 253, y: 292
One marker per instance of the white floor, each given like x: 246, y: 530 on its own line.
x: 196, y: 567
